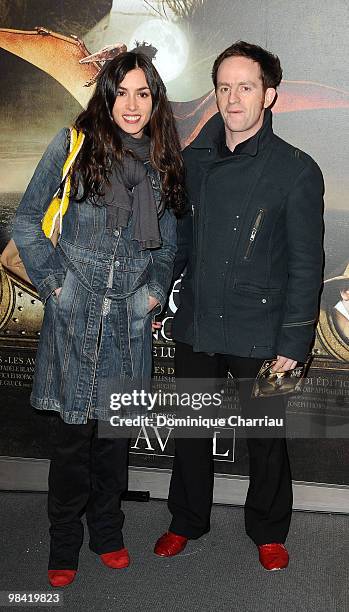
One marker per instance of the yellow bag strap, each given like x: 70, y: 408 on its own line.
x: 59, y: 206
x: 76, y: 141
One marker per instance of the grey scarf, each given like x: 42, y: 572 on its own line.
x: 130, y: 193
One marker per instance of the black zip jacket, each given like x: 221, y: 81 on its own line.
x: 252, y: 242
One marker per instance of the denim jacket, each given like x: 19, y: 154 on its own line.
x: 103, y: 274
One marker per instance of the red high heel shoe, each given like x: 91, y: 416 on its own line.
x: 273, y: 556
x: 61, y: 578
x: 118, y: 559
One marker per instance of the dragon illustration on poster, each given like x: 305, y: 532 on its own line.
x: 66, y: 59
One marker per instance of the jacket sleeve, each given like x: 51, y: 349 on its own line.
x: 184, y: 243
x: 163, y: 258
x: 304, y: 227
x: 37, y: 252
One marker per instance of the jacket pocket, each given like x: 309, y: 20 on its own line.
x: 254, y: 231
x: 243, y: 287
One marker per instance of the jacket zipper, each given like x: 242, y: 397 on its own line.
x: 256, y: 227
x: 198, y: 247
x: 99, y: 341
x: 100, y: 334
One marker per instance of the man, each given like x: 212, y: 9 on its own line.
x: 252, y: 243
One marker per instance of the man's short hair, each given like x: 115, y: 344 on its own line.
x: 271, y: 71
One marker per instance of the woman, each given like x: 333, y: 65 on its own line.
x: 108, y: 275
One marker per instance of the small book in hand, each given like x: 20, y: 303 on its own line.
x: 269, y: 383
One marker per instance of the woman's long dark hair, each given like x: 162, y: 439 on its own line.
x: 102, y: 135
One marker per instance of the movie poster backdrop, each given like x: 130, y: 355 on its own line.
x: 43, y: 87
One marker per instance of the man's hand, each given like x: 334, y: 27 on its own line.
x: 283, y: 364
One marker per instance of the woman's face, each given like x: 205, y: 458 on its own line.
x: 133, y: 103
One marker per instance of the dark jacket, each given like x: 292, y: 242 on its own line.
x: 252, y: 243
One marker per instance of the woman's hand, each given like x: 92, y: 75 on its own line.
x: 156, y: 325
x: 152, y: 302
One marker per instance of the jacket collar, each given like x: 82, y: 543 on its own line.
x: 212, y: 135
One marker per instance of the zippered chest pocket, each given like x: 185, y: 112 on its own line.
x: 257, y: 224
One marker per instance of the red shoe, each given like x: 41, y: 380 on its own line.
x: 61, y: 578
x: 170, y: 544
x: 273, y: 556
x: 117, y: 559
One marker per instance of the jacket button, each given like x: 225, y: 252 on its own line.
x: 264, y: 301
x: 221, y: 316
x: 117, y: 263
x: 116, y: 233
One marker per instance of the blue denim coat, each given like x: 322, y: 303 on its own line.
x: 99, y: 327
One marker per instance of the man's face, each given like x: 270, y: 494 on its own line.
x: 241, y: 99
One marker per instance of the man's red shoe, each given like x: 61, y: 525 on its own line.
x: 170, y: 544
x: 61, y: 578
x: 117, y: 559
x: 273, y: 556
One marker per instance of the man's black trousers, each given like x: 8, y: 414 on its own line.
x: 268, y: 504
x: 87, y: 474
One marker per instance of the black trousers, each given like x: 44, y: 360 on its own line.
x: 268, y: 504
x: 87, y: 474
